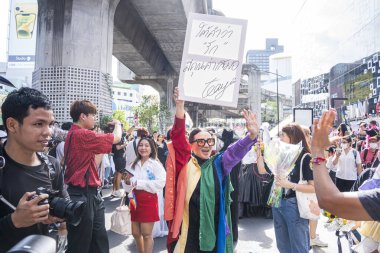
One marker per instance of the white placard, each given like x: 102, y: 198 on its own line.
x: 212, y: 60
x: 303, y: 116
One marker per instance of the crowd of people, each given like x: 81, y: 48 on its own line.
x: 189, y: 186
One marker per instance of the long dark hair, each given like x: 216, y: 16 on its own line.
x: 296, y: 134
x: 153, y: 150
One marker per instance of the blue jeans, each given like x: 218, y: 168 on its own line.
x: 292, y: 231
x: 107, y: 174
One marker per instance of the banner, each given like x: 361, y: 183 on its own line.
x: 212, y: 60
x: 22, y: 34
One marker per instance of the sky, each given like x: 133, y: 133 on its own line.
x: 4, y: 10
x: 316, y: 33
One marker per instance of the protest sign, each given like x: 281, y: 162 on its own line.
x: 303, y: 116
x: 212, y: 60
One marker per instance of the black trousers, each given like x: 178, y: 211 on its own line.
x: 90, y: 236
x: 344, y: 185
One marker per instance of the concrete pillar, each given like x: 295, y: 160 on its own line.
x: 169, y: 94
x: 74, y: 53
x: 254, y: 92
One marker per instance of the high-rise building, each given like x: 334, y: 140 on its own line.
x: 260, y: 57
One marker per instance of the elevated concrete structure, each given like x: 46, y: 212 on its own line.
x: 74, y: 53
x: 76, y: 39
x: 148, y: 39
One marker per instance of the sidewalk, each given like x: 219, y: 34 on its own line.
x: 256, y: 235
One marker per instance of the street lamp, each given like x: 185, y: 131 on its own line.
x: 277, y: 95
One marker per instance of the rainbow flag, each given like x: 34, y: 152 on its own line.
x: 133, y: 201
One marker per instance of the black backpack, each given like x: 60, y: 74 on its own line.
x: 53, y: 150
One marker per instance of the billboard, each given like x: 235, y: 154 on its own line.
x: 22, y: 34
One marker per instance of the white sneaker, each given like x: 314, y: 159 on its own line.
x: 317, y: 242
x: 118, y: 194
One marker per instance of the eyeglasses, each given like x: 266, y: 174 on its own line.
x: 202, y: 142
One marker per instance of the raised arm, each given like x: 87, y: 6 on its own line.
x: 178, y: 133
x: 343, y: 204
x: 235, y: 152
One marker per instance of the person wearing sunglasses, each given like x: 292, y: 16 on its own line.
x: 197, y: 195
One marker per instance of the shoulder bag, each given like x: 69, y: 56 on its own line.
x: 307, y: 202
x: 121, y: 220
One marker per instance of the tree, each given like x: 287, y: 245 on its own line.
x: 104, y: 119
x: 148, y: 112
x: 164, y: 117
x: 121, y: 116
x: 118, y: 114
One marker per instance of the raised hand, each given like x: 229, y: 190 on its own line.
x: 321, y: 129
x: 251, y: 123
x: 179, y: 104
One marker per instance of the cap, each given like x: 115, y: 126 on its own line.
x: 331, y: 149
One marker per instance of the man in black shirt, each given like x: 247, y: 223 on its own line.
x: 118, y: 151
x: 362, y: 205
x: 28, y: 118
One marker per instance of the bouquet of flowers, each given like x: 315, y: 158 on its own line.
x: 280, y: 158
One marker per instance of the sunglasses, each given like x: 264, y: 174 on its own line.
x: 202, y: 142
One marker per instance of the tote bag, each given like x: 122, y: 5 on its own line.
x: 121, y: 220
x: 304, y: 200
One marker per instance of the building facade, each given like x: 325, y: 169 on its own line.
x: 260, y: 57
x: 314, y: 93
x: 124, y: 98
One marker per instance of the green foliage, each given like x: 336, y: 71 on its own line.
x: 118, y: 114
x: 358, y: 88
x: 148, y: 112
x: 121, y: 116
x: 165, y: 117
x: 104, y: 119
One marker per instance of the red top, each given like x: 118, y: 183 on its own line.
x: 85, y: 144
x: 181, y: 144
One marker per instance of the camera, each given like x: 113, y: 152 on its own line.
x: 70, y: 211
x: 109, y: 128
x: 35, y: 244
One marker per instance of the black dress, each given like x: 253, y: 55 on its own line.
x: 162, y: 153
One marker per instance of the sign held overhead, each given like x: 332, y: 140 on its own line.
x: 212, y: 60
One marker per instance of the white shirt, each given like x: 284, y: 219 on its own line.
x: 150, y: 177
x: 330, y: 166
x: 60, y: 150
x: 250, y: 157
x: 346, y: 166
x: 130, y: 153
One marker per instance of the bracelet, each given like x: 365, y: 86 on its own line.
x: 317, y: 160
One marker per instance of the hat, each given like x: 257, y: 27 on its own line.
x: 331, y: 149
x: 372, y: 134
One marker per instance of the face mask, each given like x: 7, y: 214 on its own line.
x: 373, y: 145
x: 344, y: 145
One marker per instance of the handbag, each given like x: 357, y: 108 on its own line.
x: 121, y: 220
x: 306, y: 201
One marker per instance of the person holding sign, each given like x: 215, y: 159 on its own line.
x: 197, y: 196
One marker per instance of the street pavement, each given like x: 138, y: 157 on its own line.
x: 256, y: 235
